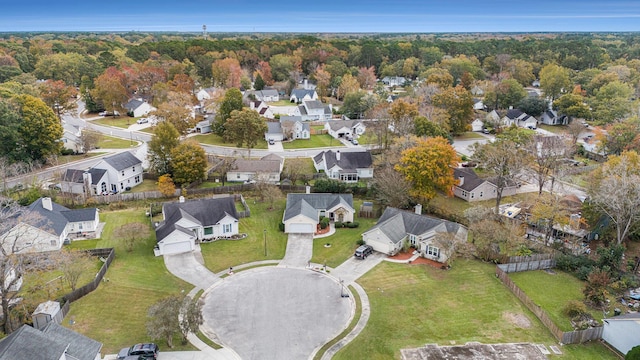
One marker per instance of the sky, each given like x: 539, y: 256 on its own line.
x: 324, y: 16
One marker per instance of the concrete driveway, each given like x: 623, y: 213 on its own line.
x: 275, y: 313
x: 353, y: 268
x: 299, y: 251
x: 189, y: 267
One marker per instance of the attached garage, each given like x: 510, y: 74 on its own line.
x: 301, y: 228
x: 176, y: 248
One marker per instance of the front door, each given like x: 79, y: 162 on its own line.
x: 341, y: 217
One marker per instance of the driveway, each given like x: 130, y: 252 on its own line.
x: 462, y: 146
x: 299, y: 251
x: 276, y: 147
x: 275, y: 313
x: 353, y: 268
x: 189, y: 267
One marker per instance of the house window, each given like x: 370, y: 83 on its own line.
x: 80, y: 226
x: 238, y: 176
x: 104, y: 187
x: 133, y: 169
x: 480, y: 193
x: 122, y: 172
x: 226, y: 228
x: 121, y: 186
x: 208, y: 230
x: 413, y: 240
x: 137, y: 178
x: 433, y: 251
x: 128, y: 181
x: 54, y: 242
x: 472, y: 194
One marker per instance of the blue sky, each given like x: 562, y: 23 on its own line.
x: 321, y: 16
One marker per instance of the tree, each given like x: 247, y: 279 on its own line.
x: 232, y: 101
x: 282, y: 66
x: 506, y: 94
x: 503, y: 159
x: 271, y: 193
x: 633, y: 354
x: 554, y: 80
x: 595, y: 289
x: 546, y: 153
x: 264, y: 69
x: 58, y: 96
x: 458, y: 103
x: 574, y: 129
x: 612, y: 102
x: 177, y: 111
x: 348, y: 84
x: 40, y: 130
x: 573, y: 106
x: 323, y: 81
x: 425, y: 127
x: 165, y: 139
x: 621, y: 136
x: 89, y: 139
x: 73, y: 264
x: 190, y: 317
x: 428, y: 166
x: 367, y: 77
x: 132, y: 234
x: 10, y: 121
x: 521, y: 71
x: 166, y: 185
x: 163, y: 319
x: 357, y: 103
x: 391, y: 187
x: 296, y: 169
x: 402, y: 114
x: 110, y: 89
x: 245, y: 128
x: 533, y: 106
x: 259, y: 83
x: 226, y: 73
x: 188, y: 163
x: 547, y: 212
x: 614, y: 189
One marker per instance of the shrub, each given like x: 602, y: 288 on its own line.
x: 324, y: 222
x: 360, y: 242
x: 583, y: 272
x: 338, y: 224
x: 352, y: 225
x: 633, y: 354
x: 281, y: 227
x: 572, y: 263
x: 574, y: 308
x: 66, y: 151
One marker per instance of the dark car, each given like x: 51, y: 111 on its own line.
x: 140, y: 351
x: 363, y: 251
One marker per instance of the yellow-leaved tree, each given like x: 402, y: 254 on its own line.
x: 166, y: 185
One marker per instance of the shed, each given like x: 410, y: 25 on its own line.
x: 46, y: 312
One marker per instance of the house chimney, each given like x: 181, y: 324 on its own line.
x: 308, y: 189
x: 306, y: 84
x: 87, y: 180
x: 181, y: 199
x: 46, y: 203
x: 252, y: 105
x: 338, y: 155
x: 461, y: 180
x: 419, y: 209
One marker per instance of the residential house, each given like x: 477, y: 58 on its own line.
x: 205, y: 94
x: 84, y: 181
x: 186, y: 223
x: 267, y: 169
x: 622, y: 331
x: 274, y: 131
x: 71, y: 138
x: 268, y: 95
x: 433, y: 238
x: 314, y: 110
x: 535, y: 83
x: 394, y: 80
x: 477, y: 91
x: 44, y: 226
x: 473, y: 188
x: 551, y: 117
x: 345, y: 128
x: 300, y: 95
x: 478, y: 104
x: 138, y: 107
x: 347, y: 166
x: 54, y: 342
x: 294, y: 128
x: 477, y: 125
x: 262, y: 108
x: 124, y: 171
x: 520, y: 119
x: 304, y: 211
x: 204, y: 126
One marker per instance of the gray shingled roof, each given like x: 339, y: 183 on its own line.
x: 300, y: 93
x: 76, y: 215
x: 314, y: 104
x: 206, y: 212
x: 348, y: 160
x: 56, y: 220
x: 75, y: 176
x: 80, y: 346
x: 122, y: 160
x: 471, y: 179
x: 339, y: 124
x: 396, y: 224
x: 514, y: 113
x: 274, y: 128
x: 256, y: 166
x: 133, y: 104
x: 309, y: 204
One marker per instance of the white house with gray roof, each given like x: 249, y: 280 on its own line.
x: 124, y: 170
x: 345, y: 166
x: 54, y: 342
x: 345, y: 128
x: 268, y: 95
x: 187, y: 222
x: 44, y: 226
x: 138, y: 107
x: 267, y: 169
x: 622, y: 331
x: 472, y: 188
x: 422, y: 232
x: 90, y: 181
x: 300, y: 95
x: 314, y: 110
x: 304, y: 211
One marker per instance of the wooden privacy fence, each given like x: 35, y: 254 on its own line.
x: 107, y: 255
x: 569, y: 337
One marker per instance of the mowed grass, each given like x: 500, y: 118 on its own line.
x: 343, y: 244
x: 213, y: 139
x: 469, y: 135
x: 110, y: 142
x: 552, y: 292
x: 316, y: 141
x: 222, y: 254
x: 120, y: 121
x: 116, y: 312
x: 146, y: 185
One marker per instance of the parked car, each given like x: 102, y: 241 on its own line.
x: 142, y: 351
x: 103, y: 113
x: 142, y: 121
x: 363, y: 251
x: 271, y: 142
x: 354, y: 141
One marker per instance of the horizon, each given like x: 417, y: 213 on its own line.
x: 332, y: 16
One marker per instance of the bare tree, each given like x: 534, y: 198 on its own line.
x: 163, y: 321
x: 225, y: 165
x: 89, y: 139
x: 271, y: 194
x: 131, y: 234
x: 295, y: 169
x: 546, y: 153
x: 190, y: 317
x: 74, y: 264
x: 574, y: 129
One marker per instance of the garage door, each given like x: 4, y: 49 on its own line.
x: 176, y: 248
x: 301, y: 228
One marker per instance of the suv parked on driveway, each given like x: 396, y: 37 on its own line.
x: 363, y: 251
x: 143, y: 351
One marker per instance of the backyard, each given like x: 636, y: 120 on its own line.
x: 413, y: 305
x: 315, y: 141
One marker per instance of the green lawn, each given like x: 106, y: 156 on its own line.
x: 110, y: 142
x: 316, y: 141
x: 116, y: 312
x: 556, y: 129
x: 469, y: 135
x: 283, y: 102
x: 213, y: 139
x: 222, y: 254
x: 146, y: 185
x: 120, y: 121
x: 413, y: 305
x: 552, y: 292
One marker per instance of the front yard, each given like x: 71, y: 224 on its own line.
x: 110, y: 142
x: 120, y: 121
x: 213, y: 139
x: 316, y: 141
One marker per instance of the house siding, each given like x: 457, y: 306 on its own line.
x: 299, y: 219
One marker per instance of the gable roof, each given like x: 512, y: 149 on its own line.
x: 133, y: 104
x: 122, y: 160
x: 205, y: 212
x: 256, y: 166
x: 272, y: 156
x: 274, y: 127
x: 396, y: 224
x: 55, y: 220
x: 348, y: 160
x: 471, y: 179
x: 313, y: 104
x: 75, y: 176
x: 514, y: 114
x: 28, y: 343
x: 309, y: 204
x: 300, y: 93
x: 339, y: 124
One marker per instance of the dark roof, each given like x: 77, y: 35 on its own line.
x: 133, y: 104
x: 80, y: 214
x: 122, y: 160
x: 348, y: 160
x: 256, y: 166
x: 205, y: 212
x: 274, y: 128
x: 75, y: 176
x: 56, y: 220
x: 80, y: 346
x: 309, y: 204
x: 396, y: 224
x: 514, y: 113
x: 300, y: 93
x: 471, y: 179
x: 28, y: 343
